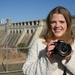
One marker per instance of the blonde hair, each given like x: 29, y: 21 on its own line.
x: 68, y: 34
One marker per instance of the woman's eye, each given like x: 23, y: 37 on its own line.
x: 62, y: 22
x: 52, y: 22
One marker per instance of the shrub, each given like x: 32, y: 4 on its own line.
x: 22, y: 48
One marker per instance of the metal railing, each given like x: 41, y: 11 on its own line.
x: 10, y: 61
x: 8, y: 64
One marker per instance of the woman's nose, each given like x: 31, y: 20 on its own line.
x: 57, y: 24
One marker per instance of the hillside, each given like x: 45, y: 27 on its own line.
x: 13, y: 57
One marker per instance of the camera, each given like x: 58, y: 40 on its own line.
x: 62, y: 48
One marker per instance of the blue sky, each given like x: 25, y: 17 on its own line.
x: 26, y: 10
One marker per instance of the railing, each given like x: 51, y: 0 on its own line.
x: 11, y: 59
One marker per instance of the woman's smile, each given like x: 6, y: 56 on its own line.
x: 58, y: 25
x: 57, y: 30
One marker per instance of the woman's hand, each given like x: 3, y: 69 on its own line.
x: 49, y: 50
x: 68, y: 56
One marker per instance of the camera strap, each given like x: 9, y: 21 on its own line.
x: 64, y: 71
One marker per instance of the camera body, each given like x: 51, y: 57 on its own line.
x: 62, y: 48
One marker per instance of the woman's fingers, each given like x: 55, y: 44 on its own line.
x: 49, y: 48
x: 48, y: 54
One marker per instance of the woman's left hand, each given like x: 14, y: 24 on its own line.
x: 69, y: 56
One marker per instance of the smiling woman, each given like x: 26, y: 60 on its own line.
x: 41, y: 58
x: 61, y: 21
x: 58, y: 25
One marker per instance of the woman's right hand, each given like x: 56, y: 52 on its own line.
x: 49, y: 50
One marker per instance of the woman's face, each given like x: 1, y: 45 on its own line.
x: 58, y: 25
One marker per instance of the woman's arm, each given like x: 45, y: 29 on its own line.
x: 35, y: 65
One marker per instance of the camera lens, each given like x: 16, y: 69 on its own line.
x: 64, y: 49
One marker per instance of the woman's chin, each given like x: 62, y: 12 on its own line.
x: 58, y: 36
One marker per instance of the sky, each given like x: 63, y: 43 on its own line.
x: 29, y: 10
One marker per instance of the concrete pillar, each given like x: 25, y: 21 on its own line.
x: 41, y: 22
x: 25, y: 23
x: 28, y: 23
x: 37, y: 23
x: 8, y: 21
x: 32, y: 23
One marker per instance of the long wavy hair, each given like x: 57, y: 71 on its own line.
x: 68, y: 36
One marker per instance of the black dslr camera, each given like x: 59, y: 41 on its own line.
x: 62, y: 48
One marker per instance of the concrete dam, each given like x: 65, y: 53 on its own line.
x: 23, y: 32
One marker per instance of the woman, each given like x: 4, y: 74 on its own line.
x: 41, y: 58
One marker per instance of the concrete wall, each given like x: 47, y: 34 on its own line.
x: 16, y: 32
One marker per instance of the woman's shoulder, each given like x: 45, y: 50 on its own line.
x: 39, y: 39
